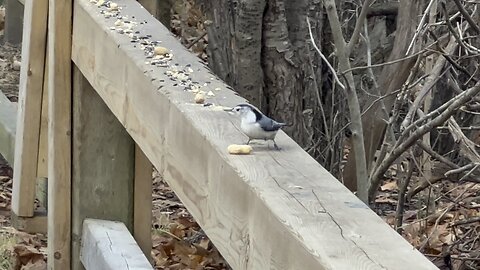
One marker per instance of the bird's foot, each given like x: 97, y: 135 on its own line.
x: 276, y: 146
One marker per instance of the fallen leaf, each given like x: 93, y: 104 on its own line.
x: 26, y: 254
x: 392, y: 185
x: 385, y: 200
x: 37, y: 265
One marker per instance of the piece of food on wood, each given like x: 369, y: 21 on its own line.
x: 239, y: 149
x: 16, y: 65
x: 160, y: 51
x: 113, y: 6
x: 199, y: 98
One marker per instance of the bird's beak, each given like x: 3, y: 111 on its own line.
x: 227, y: 109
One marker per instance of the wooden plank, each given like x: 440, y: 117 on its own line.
x: 268, y: 210
x: 35, y: 224
x: 41, y: 192
x: 103, y: 157
x: 42, y: 160
x: 13, y: 21
x: 108, y: 245
x: 8, y: 126
x: 59, y: 133
x: 142, y: 208
x: 30, y: 101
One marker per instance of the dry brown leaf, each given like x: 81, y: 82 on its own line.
x: 37, y: 265
x: 383, y: 199
x: 27, y: 254
x: 392, y: 185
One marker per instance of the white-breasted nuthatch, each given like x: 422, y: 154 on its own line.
x: 256, y: 125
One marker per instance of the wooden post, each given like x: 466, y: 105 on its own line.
x: 97, y: 252
x: 30, y: 107
x: 8, y: 127
x: 142, y: 213
x: 42, y: 160
x: 13, y: 21
x: 59, y: 133
x: 103, y: 164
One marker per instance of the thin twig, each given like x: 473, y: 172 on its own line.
x: 334, y: 73
x: 401, y: 197
x: 467, y: 16
x: 358, y: 26
x: 196, y: 40
x: 420, y: 25
x: 419, y: 132
x: 466, y: 221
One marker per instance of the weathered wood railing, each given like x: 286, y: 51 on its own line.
x: 268, y: 210
x: 108, y: 245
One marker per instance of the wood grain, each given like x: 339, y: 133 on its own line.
x: 108, y: 245
x: 103, y: 160
x: 142, y: 204
x: 59, y: 133
x: 8, y: 126
x: 35, y: 224
x: 13, y: 21
x: 30, y: 106
x: 268, y: 210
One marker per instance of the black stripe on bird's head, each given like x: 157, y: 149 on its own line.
x: 244, y: 107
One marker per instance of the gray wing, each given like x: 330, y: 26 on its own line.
x: 268, y: 124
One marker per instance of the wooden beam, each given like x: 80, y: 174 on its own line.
x: 108, y: 245
x: 142, y: 204
x: 13, y: 21
x: 35, y: 224
x: 267, y: 210
x: 42, y: 160
x: 8, y: 126
x: 30, y: 107
x: 103, y: 164
x: 59, y: 133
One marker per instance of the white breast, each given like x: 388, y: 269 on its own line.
x: 254, y: 131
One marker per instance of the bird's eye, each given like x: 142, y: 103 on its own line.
x: 237, y: 109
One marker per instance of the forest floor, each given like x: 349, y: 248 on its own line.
x: 442, y: 221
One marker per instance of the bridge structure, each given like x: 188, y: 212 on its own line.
x: 107, y: 92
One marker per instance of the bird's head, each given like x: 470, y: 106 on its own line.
x: 247, y: 112
x: 242, y: 109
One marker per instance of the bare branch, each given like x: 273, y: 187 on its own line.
x: 420, y: 25
x: 419, y: 132
x: 467, y: 16
x: 334, y: 73
x: 358, y: 26
x: 430, y: 82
